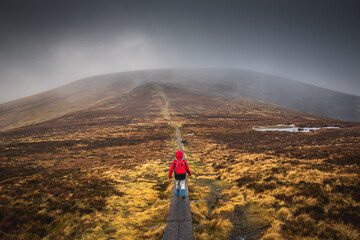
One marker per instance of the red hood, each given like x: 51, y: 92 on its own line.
x: 179, y: 155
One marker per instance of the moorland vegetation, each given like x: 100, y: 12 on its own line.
x: 279, y: 185
x: 101, y: 172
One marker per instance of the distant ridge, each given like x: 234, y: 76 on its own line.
x: 231, y: 83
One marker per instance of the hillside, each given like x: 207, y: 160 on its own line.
x: 91, y: 162
x: 269, y: 185
x: 219, y: 82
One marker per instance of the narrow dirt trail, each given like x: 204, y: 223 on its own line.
x: 179, y: 222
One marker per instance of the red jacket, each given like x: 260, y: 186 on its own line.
x: 179, y: 157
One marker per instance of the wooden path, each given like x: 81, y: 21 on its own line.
x: 179, y: 222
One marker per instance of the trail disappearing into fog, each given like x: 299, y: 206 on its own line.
x: 177, y: 128
x: 179, y: 222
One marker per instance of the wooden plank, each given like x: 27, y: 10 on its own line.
x: 179, y: 222
x: 185, y: 230
x: 171, y: 231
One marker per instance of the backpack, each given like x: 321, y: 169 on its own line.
x: 180, y: 167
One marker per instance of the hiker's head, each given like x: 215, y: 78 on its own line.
x: 179, y: 155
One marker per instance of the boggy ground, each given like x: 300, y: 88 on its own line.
x: 268, y: 185
x: 101, y: 173
x: 94, y: 174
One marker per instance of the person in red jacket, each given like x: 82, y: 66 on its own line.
x: 179, y: 167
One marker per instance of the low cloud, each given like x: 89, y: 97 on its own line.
x: 73, y: 59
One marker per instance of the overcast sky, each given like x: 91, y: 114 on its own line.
x: 44, y: 44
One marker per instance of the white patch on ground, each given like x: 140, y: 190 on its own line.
x: 288, y: 128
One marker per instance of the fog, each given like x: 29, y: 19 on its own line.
x: 45, y: 44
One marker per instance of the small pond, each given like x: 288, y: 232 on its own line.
x: 287, y: 128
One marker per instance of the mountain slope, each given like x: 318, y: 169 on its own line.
x: 100, y: 171
x: 219, y: 82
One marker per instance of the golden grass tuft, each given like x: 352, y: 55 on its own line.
x: 220, y: 227
x: 273, y: 232
x: 199, y: 212
x: 224, y: 208
x: 347, y: 232
x: 284, y: 214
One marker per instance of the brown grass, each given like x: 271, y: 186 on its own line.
x: 101, y: 172
x: 90, y: 174
x: 281, y: 185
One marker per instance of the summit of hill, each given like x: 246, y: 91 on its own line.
x: 229, y: 83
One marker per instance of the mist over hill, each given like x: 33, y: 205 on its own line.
x: 91, y: 159
x: 231, y: 83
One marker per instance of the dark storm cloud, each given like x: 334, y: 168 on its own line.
x: 44, y: 44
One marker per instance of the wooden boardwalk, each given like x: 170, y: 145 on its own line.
x: 179, y: 222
